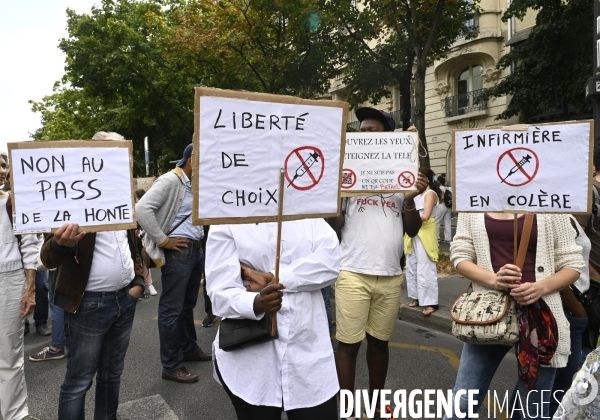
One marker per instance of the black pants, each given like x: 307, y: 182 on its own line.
x: 245, y: 411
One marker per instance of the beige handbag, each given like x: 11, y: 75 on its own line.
x: 490, y: 316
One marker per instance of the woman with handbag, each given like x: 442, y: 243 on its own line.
x: 295, y: 371
x: 482, y: 251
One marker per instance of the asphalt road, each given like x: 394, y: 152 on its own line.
x: 420, y: 358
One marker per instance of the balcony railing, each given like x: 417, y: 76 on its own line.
x: 465, y: 103
x: 355, y: 125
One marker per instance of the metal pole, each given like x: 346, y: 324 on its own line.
x: 147, y: 156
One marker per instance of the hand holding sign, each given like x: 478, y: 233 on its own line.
x: 68, y: 235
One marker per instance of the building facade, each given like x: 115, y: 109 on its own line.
x: 454, y: 85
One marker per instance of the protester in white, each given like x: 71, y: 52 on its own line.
x: 443, y: 214
x: 18, y: 260
x: 297, y: 370
x: 422, y: 252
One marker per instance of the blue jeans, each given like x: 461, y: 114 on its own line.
x: 181, y: 277
x: 58, y: 324
x: 97, y: 340
x: 326, y: 292
x: 478, y: 364
x: 564, y: 376
x: 40, y: 312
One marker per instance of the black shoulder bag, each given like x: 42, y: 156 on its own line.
x: 237, y: 334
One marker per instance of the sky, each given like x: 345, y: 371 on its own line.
x: 30, y: 61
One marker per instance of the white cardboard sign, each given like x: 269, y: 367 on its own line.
x: 380, y: 162
x: 244, y: 139
x: 84, y: 182
x: 539, y: 169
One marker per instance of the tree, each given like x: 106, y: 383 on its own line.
x: 273, y: 46
x: 400, y: 37
x: 553, y: 64
x: 123, y: 74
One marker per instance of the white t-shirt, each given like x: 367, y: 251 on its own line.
x: 112, y: 266
x: 373, y: 234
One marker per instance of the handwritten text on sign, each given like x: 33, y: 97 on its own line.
x: 243, y: 145
x: 380, y: 162
x: 89, y: 186
x: 544, y: 169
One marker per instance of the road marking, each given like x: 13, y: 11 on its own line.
x: 152, y: 407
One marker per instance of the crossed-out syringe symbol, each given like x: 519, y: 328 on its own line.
x: 518, y: 166
x: 304, y: 166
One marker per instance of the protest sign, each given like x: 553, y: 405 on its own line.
x: 241, y: 141
x: 84, y: 182
x: 143, y: 183
x: 380, y: 162
x: 544, y: 168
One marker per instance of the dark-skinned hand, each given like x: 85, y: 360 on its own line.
x: 258, y: 280
x: 422, y: 183
x: 269, y: 299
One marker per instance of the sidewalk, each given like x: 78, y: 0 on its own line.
x: 450, y: 288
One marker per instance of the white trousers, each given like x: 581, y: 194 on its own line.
x: 13, y: 393
x: 421, y: 275
x: 443, y: 212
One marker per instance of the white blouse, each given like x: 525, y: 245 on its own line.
x: 297, y: 369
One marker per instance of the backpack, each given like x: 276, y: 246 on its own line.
x: 448, y: 198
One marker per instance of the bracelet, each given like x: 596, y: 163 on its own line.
x: 414, y: 207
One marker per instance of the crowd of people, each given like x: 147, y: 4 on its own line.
x: 91, y: 282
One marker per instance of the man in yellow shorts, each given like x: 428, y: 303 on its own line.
x: 368, y: 289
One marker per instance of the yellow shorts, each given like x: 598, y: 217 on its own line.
x: 366, y: 304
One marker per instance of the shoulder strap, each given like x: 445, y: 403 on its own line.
x: 178, y: 224
x: 525, y: 235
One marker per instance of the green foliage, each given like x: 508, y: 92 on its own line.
x: 132, y: 66
x: 553, y: 64
x: 381, y: 40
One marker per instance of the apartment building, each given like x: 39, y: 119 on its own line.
x: 454, y: 85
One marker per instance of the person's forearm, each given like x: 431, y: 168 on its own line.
x: 594, y: 273
x: 412, y: 218
x: 557, y: 281
x: 30, y: 274
x: 477, y: 274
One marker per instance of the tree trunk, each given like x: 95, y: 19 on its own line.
x: 404, y: 86
x: 419, y: 120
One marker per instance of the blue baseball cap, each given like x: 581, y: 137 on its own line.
x: 187, y: 153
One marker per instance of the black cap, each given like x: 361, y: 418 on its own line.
x: 385, y: 117
x: 187, y: 153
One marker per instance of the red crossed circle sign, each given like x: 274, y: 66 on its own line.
x: 348, y: 178
x: 304, y: 167
x: 406, y: 179
x: 518, y: 166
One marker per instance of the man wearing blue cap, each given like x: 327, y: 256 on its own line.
x: 173, y: 243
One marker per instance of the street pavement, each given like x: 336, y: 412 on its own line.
x: 423, y: 355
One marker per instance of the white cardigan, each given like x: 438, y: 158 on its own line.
x: 556, y: 249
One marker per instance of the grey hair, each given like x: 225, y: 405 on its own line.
x: 103, y: 135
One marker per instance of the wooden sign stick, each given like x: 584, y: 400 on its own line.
x: 278, y: 246
x: 516, y: 243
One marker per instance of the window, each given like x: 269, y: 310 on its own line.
x: 468, y: 94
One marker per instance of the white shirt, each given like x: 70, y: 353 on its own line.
x: 112, y: 266
x: 373, y: 234
x: 298, y: 368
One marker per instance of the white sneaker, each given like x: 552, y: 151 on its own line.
x: 152, y: 290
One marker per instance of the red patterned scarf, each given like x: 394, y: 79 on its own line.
x: 538, y: 340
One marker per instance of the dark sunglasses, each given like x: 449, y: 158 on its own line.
x: 3, y: 165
